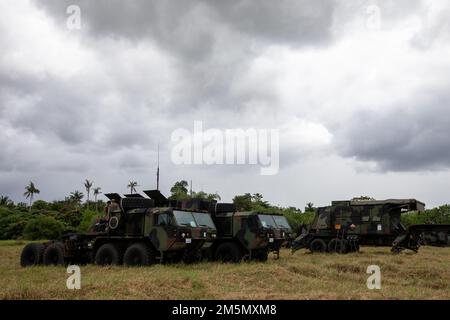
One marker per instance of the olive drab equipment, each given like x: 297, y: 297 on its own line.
x: 140, y: 231
x: 345, y: 225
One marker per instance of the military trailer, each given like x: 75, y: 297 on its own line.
x: 345, y: 225
x: 436, y: 238
x: 422, y: 234
x: 136, y: 233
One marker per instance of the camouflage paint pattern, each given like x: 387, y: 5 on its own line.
x: 249, y: 231
x: 371, y: 222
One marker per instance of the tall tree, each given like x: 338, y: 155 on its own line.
x: 132, y: 185
x: 96, y: 192
x: 243, y: 202
x: 309, y: 207
x: 88, y: 185
x: 76, y: 197
x: 30, y: 191
x: 179, y: 191
x: 5, y: 201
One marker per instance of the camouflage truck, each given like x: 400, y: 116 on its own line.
x: 345, y: 225
x: 246, y: 235
x: 136, y: 233
x: 281, y: 229
x: 240, y: 235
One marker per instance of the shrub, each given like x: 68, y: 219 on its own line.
x: 89, y: 217
x: 12, y: 223
x: 43, y: 228
x: 40, y: 205
x: 298, y: 219
x: 70, y: 218
x: 440, y: 215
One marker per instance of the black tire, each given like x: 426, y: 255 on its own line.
x: 32, y: 254
x: 318, y: 245
x: 262, y: 255
x: 108, y: 254
x: 228, y: 252
x: 336, y: 246
x: 54, y: 254
x: 139, y: 254
x: 352, y: 246
x: 190, y: 257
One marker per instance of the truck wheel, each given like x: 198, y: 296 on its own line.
x: 228, y: 252
x: 139, y: 254
x: 107, y: 254
x: 54, y: 254
x: 32, y: 254
x: 318, y: 245
x: 262, y: 255
x: 336, y: 245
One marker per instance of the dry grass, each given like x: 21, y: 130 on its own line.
x: 425, y: 275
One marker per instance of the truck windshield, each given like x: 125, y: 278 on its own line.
x: 203, y: 219
x: 281, y: 222
x: 267, y: 221
x: 184, y: 218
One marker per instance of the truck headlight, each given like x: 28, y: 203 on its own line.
x: 183, y: 235
x: 213, y: 235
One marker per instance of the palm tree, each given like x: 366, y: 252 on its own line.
x: 96, y: 192
x: 88, y: 185
x: 76, y: 197
x: 30, y: 191
x: 309, y: 207
x: 132, y: 185
x: 5, y: 201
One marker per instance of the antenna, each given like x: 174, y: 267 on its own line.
x: 157, y: 172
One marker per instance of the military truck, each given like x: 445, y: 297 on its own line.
x: 136, y: 233
x: 240, y: 235
x: 345, y: 225
x: 281, y: 229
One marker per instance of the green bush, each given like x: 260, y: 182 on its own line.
x: 298, y: 219
x: 43, y: 228
x: 11, y: 227
x: 440, y: 215
x: 70, y: 218
x: 40, y: 205
x: 89, y: 217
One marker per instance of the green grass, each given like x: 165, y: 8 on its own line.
x: 425, y: 275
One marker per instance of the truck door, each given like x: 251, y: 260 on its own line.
x: 163, y: 234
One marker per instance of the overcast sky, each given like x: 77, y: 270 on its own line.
x: 359, y: 91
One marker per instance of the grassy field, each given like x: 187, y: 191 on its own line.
x: 425, y: 275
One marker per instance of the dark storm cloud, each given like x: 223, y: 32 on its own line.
x: 287, y: 21
x: 212, y: 42
x: 401, y: 138
x: 137, y: 70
